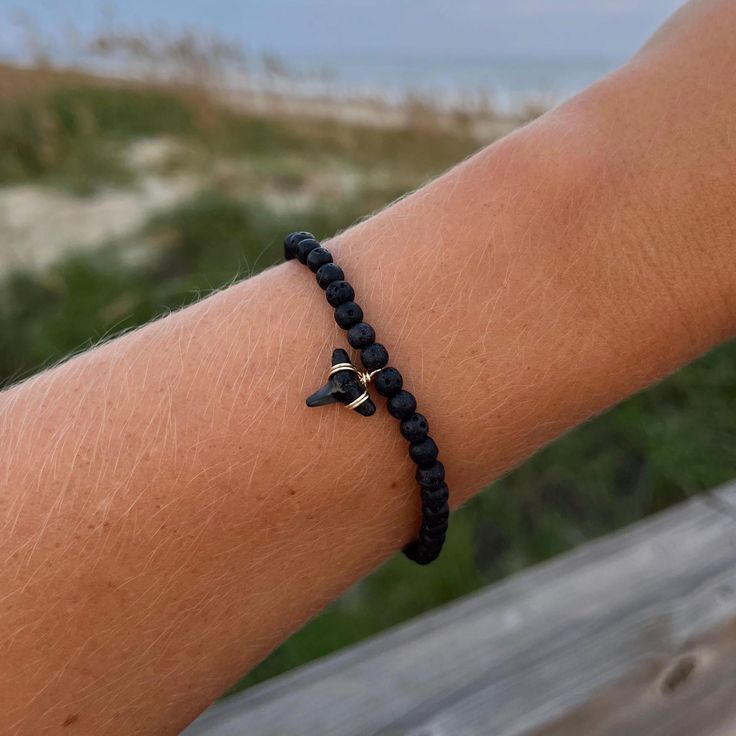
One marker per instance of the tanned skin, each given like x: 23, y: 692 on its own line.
x: 171, y: 510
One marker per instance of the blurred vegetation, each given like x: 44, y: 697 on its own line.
x: 653, y: 451
x: 78, y: 138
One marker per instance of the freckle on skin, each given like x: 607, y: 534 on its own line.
x: 70, y: 720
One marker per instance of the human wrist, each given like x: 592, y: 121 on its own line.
x: 663, y: 187
x: 520, y: 275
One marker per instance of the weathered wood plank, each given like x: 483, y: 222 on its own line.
x: 633, y: 634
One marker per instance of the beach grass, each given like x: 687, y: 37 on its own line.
x: 75, y: 136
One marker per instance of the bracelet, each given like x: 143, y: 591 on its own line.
x: 349, y: 386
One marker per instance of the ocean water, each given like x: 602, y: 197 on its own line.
x: 506, y: 81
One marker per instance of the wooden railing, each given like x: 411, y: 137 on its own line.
x: 631, y: 635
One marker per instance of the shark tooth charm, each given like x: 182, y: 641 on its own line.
x: 345, y: 385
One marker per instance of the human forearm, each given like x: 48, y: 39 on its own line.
x: 171, y: 510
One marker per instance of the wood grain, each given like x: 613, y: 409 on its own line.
x: 633, y: 634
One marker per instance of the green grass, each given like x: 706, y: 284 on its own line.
x: 654, y: 450
x: 76, y: 138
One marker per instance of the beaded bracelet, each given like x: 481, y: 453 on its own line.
x: 349, y: 386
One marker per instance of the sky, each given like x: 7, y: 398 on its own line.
x: 404, y: 28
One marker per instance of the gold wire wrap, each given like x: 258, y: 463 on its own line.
x: 364, y: 378
x: 342, y: 367
x: 357, y: 402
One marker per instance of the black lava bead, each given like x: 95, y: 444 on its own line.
x: 438, y: 511
x: 374, y: 357
x: 318, y: 258
x: 437, y: 518
x: 424, y: 452
x: 304, y: 248
x: 329, y: 273
x: 434, y: 498
x: 361, y: 335
x: 402, y: 405
x: 388, y: 382
x: 433, y: 535
x: 291, y: 241
x: 339, y: 292
x: 348, y: 314
x: 422, y: 551
x: 414, y: 428
x: 431, y: 477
